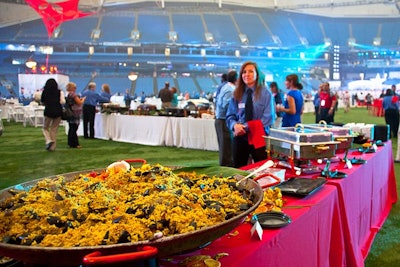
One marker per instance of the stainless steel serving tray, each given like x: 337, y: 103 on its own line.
x: 299, y: 142
x: 335, y: 130
x: 301, y: 150
x: 343, y: 135
x: 300, y: 134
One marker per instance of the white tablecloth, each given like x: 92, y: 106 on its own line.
x: 156, y: 131
x: 194, y: 133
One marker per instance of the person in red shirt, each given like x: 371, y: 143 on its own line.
x: 327, y: 105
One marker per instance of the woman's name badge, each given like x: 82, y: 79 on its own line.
x: 241, y: 105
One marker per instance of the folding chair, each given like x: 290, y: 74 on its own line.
x: 19, y: 114
x: 39, y: 117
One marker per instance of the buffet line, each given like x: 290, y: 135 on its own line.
x: 321, y: 196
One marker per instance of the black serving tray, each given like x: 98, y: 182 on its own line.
x: 301, y: 186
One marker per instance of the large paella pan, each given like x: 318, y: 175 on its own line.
x: 163, y: 243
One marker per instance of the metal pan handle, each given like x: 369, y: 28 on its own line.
x: 95, y: 258
x: 323, y: 123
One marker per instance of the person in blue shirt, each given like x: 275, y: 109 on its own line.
x: 224, y: 80
x: 142, y: 98
x: 317, y: 102
x: 390, y: 104
x: 89, y: 109
x: 223, y: 133
x: 294, y: 103
x: 251, y: 92
x: 278, y: 98
x: 127, y: 98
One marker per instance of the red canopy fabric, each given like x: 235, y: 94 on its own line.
x: 53, y: 14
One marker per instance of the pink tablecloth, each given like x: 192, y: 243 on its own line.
x: 366, y: 197
x: 335, y: 229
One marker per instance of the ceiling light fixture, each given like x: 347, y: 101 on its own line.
x: 133, y: 76
x: 96, y: 34
x: 173, y: 36
x: 209, y: 37
x: 243, y: 38
x: 30, y: 63
x: 303, y: 41
x: 276, y: 40
x: 377, y: 41
x: 327, y: 41
x: 135, y: 35
x: 351, y: 41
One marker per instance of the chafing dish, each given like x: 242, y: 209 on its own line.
x: 301, y: 143
x: 343, y: 135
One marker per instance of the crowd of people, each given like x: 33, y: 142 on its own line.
x: 83, y: 106
x: 246, y: 108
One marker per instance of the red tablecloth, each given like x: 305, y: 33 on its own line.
x: 336, y: 228
x: 314, y: 230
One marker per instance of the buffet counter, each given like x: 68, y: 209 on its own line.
x: 156, y: 130
x: 335, y: 226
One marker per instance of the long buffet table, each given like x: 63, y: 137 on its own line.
x: 156, y: 130
x: 334, y: 226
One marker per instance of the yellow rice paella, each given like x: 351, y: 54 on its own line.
x: 118, y: 206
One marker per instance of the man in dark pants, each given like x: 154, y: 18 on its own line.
x: 166, y: 96
x: 223, y: 132
x: 89, y: 109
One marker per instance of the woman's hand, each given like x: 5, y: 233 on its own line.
x: 239, y: 129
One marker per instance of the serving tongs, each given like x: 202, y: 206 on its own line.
x: 354, y: 160
x: 266, y: 165
x: 332, y: 174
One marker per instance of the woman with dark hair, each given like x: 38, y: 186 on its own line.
x: 53, y: 99
x: 250, y: 115
x: 294, y: 103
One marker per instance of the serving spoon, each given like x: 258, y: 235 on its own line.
x: 266, y: 165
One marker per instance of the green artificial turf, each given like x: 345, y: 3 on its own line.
x: 23, y: 157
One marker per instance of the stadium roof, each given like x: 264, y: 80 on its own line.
x: 17, y: 11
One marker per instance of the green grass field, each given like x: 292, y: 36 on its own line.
x: 23, y: 157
